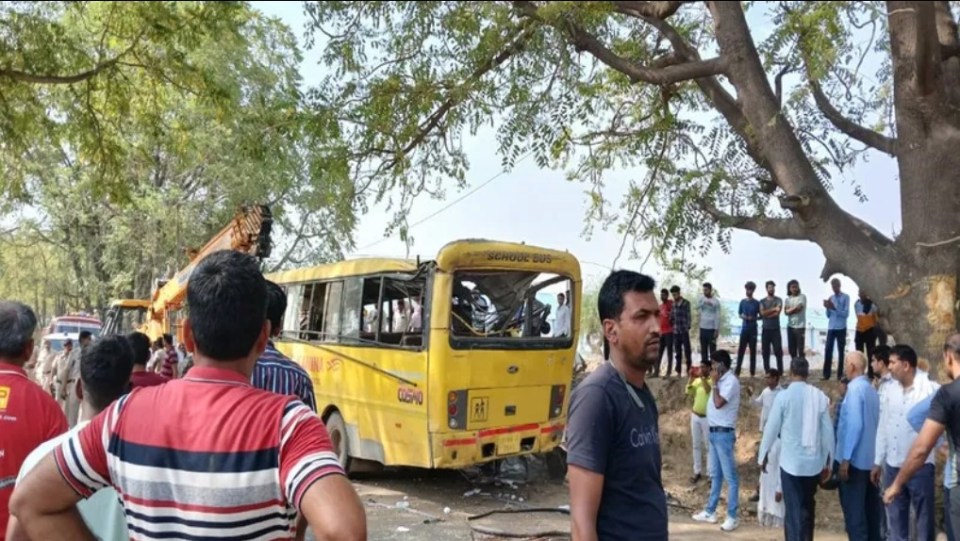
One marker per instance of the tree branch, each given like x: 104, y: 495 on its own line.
x: 774, y: 228
x: 433, y: 121
x: 872, y: 139
x: 778, y: 82
x: 585, y: 41
x: 713, y: 90
x: 24, y: 77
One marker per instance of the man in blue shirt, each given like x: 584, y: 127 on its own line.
x: 916, y: 417
x: 838, y: 309
x: 856, y: 448
x: 801, y: 419
x: 749, y: 313
x: 274, y: 371
x: 613, y: 436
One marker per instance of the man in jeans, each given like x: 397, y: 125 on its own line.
x: 838, y: 309
x: 749, y: 312
x: 681, y: 327
x: 856, y: 446
x: 666, y: 331
x: 801, y: 419
x: 770, y: 307
x: 943, y: 416
x: 895, y: 436
x: 709, y: 307
x: 722, y: 411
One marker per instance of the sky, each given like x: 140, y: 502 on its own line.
x: 540, y: 207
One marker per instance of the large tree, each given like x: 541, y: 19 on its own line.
x: 130, y: 132
x: 740, y: 114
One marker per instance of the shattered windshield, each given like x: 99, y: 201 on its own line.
x: 513, y: 306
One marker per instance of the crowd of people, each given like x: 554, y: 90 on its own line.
x: 675, y: 313
x: 227, y: 445
x: 876, y: 444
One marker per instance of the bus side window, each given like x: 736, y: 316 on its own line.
x: 291, y: 318
x: 331, y: 319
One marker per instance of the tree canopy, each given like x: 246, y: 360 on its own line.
x: 740, y: 115
x: 133, y: 131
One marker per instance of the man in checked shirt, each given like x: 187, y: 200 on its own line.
x: 274, y: 371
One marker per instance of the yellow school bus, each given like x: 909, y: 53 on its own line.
x: 446, y: 363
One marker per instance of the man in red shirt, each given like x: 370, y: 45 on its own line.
x: 28, y: 415
x: 141, y: 377
x: 666, y: 331
x: 220, y: 459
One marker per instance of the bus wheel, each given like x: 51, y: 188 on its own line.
x: 338, y: 439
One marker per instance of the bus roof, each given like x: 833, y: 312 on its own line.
x: 350, y: 267
x: 489, y: 254
x: 469, y: 253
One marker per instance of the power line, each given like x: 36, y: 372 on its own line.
x: 454, y: 202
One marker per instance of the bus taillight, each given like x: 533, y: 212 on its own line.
x: 556, y: 400
x: 456, y: 409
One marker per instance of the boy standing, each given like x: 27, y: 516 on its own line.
x: 749, y: 312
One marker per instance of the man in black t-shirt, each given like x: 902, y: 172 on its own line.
x: 944, y: 415
x: 613, y: 435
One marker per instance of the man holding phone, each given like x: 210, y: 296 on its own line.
x: 722, y: 410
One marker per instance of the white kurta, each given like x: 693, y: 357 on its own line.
x: 769, y: 512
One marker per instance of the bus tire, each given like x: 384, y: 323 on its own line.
x: 338, y: 439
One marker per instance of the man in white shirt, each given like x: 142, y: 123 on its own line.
x: 722, y: 412
x: 562, y: 323
x: 895, y: 436
x: 105, y: 368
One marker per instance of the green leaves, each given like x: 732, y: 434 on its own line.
x: 409, y: 78
x: 201, y: 112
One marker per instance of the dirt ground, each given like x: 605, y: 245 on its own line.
x: 413, y: 504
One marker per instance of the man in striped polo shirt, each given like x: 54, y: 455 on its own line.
x: 208, y: 455
x: 274, y: 371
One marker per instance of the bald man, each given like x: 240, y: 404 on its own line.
x: 856, y: 448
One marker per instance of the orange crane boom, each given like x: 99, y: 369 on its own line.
x: 249, y: 232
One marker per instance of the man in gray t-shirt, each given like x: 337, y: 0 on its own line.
x: 709, y: 307
x: 770, y: 308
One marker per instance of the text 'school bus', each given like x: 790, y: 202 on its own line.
x: 438, y: 364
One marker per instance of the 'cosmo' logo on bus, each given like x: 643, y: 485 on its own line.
x: 519, y: 257
x: 410, y: 396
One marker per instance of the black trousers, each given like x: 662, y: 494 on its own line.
x: 800, y: 506
x: 708, y: 344
x: 666, y: 346
x: 681, y: 341
x: 772, y: 338
x: 836, y: 337
x: 866, y: 342
x: 748, y: 337
x: 795, y: 342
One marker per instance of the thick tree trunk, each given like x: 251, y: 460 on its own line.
x: 913, y: 279
x: 922, y: 300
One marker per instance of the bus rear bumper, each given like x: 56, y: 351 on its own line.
x: 466, y: 448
